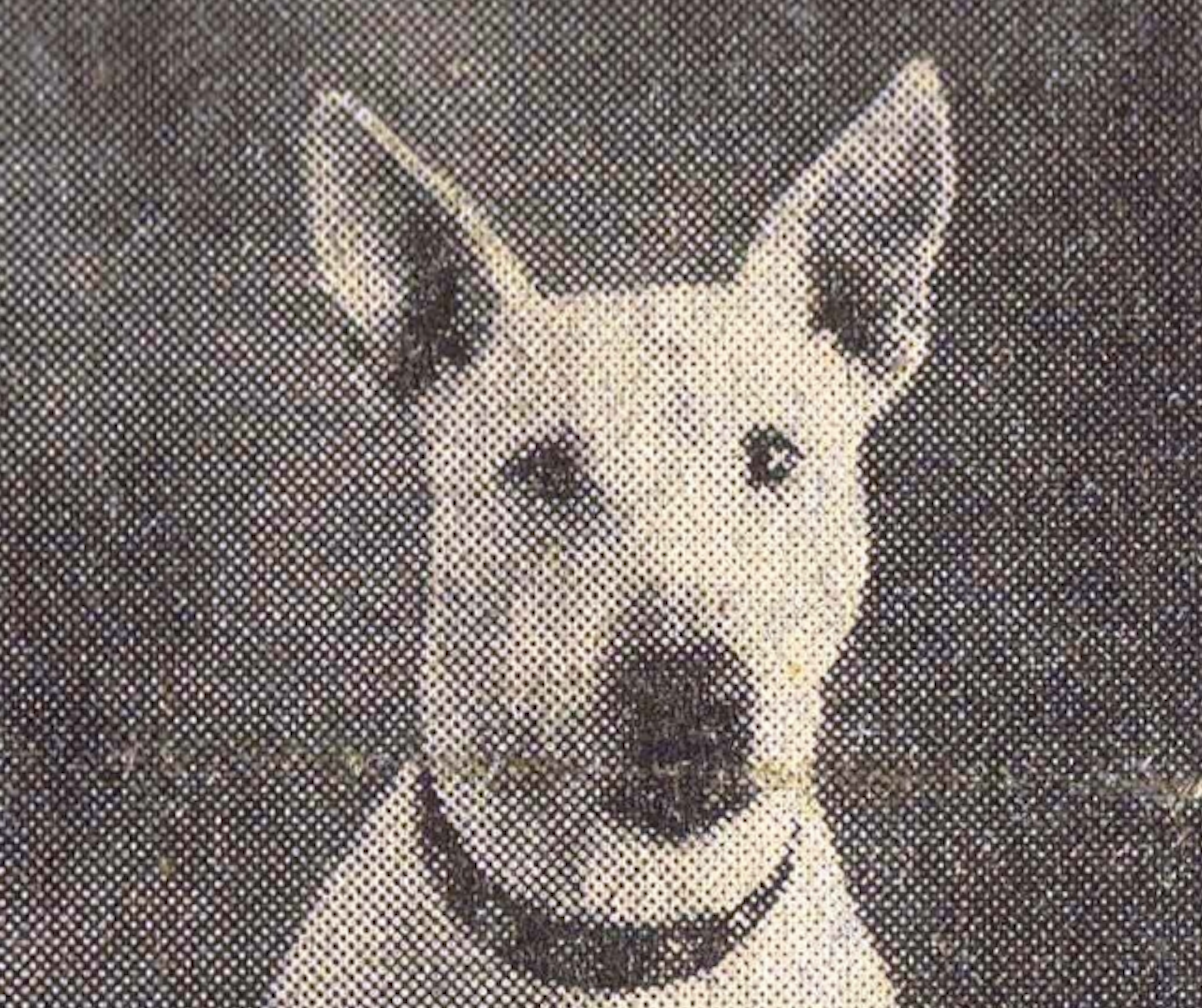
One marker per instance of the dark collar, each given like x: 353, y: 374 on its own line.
x: 582, y: 951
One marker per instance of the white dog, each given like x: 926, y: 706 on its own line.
x: 648, y: 542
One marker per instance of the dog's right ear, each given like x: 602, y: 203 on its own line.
x: 400, y: 248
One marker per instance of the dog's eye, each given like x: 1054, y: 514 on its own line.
x: 549, y: 471
x: 770, y: 456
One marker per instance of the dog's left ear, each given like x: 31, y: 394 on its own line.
x: 853, y: 242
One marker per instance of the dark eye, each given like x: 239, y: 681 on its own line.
x: 770, y: 456
x: 549, y: 472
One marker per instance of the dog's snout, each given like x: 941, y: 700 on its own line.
x: 679, y: 710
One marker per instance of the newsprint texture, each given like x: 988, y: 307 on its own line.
x: 637, y: 503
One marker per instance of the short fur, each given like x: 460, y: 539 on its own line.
x: 686, y: 455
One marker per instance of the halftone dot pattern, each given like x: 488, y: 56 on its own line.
x: 641, y: 503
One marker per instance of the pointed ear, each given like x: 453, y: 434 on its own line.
x: 854, y: 241
x: 400, y: 248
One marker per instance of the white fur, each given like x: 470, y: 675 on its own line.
x: 661, y: 386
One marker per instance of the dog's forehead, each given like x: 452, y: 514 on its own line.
x: 677, y: 320
x: 658, y: 362
x: 674, y: 338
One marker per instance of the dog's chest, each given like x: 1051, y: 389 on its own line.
x: 382, y: 934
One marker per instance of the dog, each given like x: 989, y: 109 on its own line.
x: 648, y: 542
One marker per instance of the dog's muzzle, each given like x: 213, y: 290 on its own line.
x: 678, y: 714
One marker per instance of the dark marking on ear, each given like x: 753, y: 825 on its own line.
x: 401, y: 248
x: 864, y: 224
x: 448, y: 306
x: 857, y: 246
x: 849, y: 305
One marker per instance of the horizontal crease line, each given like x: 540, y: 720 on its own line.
x: 137, y: 765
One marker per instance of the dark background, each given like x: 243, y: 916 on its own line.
x: 211, y: 552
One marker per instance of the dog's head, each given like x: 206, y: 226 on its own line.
x: 648, y: 537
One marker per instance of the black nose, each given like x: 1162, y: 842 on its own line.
x: 678, y: 712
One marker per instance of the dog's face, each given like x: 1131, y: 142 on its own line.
x: 648, y: 538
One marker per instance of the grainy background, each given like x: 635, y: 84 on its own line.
x: 211, y: 557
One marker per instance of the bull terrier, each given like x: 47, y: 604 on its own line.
x: 648, y: 542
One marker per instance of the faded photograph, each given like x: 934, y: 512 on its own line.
x: 651, y: 504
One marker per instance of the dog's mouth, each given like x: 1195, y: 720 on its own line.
x: 582, y: 951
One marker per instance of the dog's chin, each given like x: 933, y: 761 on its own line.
x: 579, y: 862
x: 675, y: 911
x: 631, y: 878
x: 626, y: 877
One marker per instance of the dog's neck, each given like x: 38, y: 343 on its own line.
x: 582, y: 953
x: 386, y: 929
